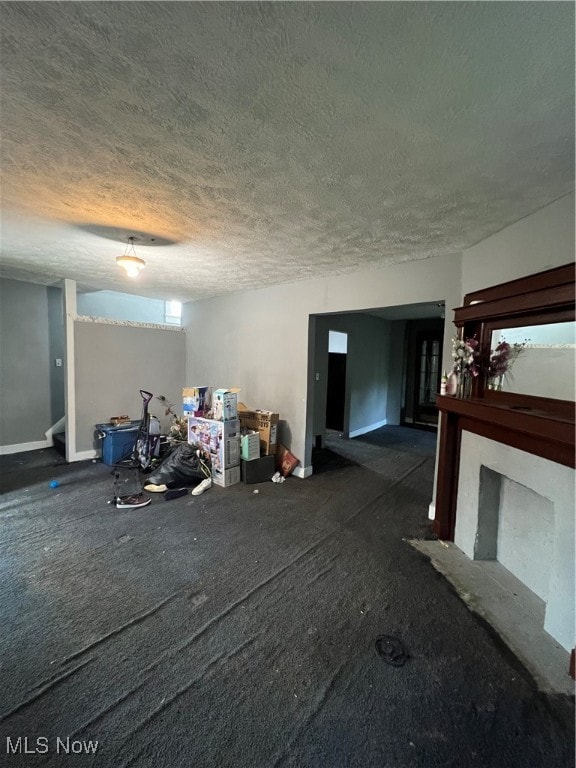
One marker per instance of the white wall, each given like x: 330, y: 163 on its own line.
x: 525, y: 536
x: 258, y: 340
x: 540, y: 241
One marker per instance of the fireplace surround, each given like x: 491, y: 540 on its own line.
x: 525, y: 439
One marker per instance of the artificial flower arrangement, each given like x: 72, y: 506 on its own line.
x: 179, y: 426
x: 465, y: 355
x: 501, y: 361
x: 467, y: 366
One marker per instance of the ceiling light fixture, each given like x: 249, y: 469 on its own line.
x: 129, y: 261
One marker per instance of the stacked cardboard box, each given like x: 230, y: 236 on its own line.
x: 250, y: 445
x: 224, y: 405
x: 195, y: 401
x: 221, y: 441
x: 264, y: 422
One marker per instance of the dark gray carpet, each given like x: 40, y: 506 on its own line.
x: 394, y: 438
x: 238, y: 629
x: 406, y: 439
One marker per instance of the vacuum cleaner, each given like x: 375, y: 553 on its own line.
x: 128, y: 472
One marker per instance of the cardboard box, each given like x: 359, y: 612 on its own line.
x: 220, y: 440
x: 228, y: 455
x: 250, y: 446
x: 224, y: 405
x: 264, y: 422
x: 257, y: 471
x: 226, y: 477
x: 195, y: 401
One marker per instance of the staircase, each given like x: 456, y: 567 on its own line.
x: 60, y: 443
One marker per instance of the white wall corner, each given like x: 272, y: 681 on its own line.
x: 302, y: 472
x: 432, y: 511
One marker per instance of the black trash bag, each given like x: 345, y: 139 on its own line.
x: 182, y: 466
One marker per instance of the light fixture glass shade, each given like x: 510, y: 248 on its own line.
x: 132, y: 264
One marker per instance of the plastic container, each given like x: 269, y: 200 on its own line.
x: 117, y: 442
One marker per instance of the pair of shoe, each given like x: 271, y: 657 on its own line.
x: 197, y: 491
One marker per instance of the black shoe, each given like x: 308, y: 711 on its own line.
x: 132, y: 501
x: 175, y: 493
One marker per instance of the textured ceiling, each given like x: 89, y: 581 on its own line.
x: 274, y: 142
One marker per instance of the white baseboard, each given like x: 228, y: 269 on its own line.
x: 369, y: 428
x: 84, y: 456
x: 21, y: 447
x: 302, y: 472
x: 432, y: 511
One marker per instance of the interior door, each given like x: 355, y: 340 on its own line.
x: 427, y: 377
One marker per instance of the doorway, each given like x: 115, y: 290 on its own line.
x: 424, y: 341
x: 336, y: 381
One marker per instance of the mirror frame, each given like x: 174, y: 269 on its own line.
x: 547, y: 297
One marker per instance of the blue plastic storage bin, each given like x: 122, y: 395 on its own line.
x: 117, y: 442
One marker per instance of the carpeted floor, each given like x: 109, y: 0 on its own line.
x: 375, y: 449
x: 239, y: 629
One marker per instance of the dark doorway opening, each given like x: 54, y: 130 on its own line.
x: 336, y: 393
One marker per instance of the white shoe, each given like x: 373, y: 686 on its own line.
x: 155, y: 488
x: 203, y: 486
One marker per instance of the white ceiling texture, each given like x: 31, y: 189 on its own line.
x: 273, y: 142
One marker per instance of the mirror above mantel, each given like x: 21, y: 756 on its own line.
x: 537, y: 360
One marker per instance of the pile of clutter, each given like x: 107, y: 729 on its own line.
x: 240, y: 444
x: 218, y: 441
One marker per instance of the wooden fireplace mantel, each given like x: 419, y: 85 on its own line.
x: 541, y: 426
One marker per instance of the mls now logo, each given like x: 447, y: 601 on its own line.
x: 23, y: 745
x: 69, y: 747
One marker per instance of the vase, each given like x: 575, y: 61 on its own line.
x: 496, y: 382
x: 464, y: 388
x: 452, y: 383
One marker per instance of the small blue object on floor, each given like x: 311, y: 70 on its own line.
x: 54, y: 484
